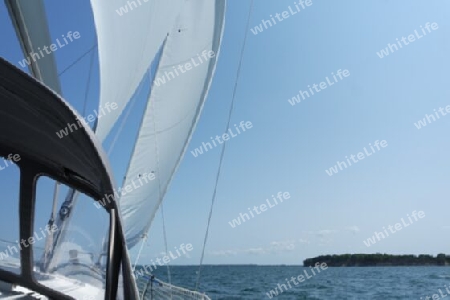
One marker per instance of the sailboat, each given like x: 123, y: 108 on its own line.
x: 150, y: 39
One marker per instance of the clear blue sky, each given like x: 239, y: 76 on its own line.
x: 290, y: 147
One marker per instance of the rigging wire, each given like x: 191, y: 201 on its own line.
x: 86, y: 94
x: 76, y: 193
x: 160, y: 195
x: 49, y: 240
x: 165, y: 244
x: 85, y: 101
x: 111, y: 147
x: 125, y: 118
x: 120, y: 129
x: 157, y: 163
x: 88, y: 84
x: 113, y: 144
x: 77, y: 60
x: 159, y: 190
x: 230, y: 113
x: 144, y: 238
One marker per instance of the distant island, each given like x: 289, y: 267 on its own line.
x: 378, y: 260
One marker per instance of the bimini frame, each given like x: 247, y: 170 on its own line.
x: 30, y: 116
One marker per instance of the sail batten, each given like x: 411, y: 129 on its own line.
x: 173, y: 109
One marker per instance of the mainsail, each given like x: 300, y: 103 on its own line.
x: 30, y: 23
x: 172, y: 111
x: 127, y: 45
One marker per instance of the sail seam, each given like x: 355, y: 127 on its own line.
x: 141, y: 125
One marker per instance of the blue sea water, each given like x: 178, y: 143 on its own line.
x: 254, y: 282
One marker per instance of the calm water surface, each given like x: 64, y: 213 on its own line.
x: 253, y: 282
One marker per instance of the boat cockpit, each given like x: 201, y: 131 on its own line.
x: 56, y: 241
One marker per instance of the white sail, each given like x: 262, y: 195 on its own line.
x: 130, y: 34
x: 30, y: 23
x: 172, y: 111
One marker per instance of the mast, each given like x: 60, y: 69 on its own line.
x: 53, y: 242
x: 30, y: 23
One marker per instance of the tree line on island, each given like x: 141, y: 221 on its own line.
x: 378, y: 259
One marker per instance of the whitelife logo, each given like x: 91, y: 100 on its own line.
x: 356, y: 158
x: 411, y: 38
x: 281, y: 17
x: 149, y: 269
x: 323, y: 85
x: 282, y: 287
x: 108, y: 198
x: 263, y: 207
x: 90, y: 118
x: 222, y: 138
x: 53, y: 47
x: 379, y: 235
x: 422, y: 123
x: 169, y: 75
x: 48, y: 230
x: 7, y: 162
